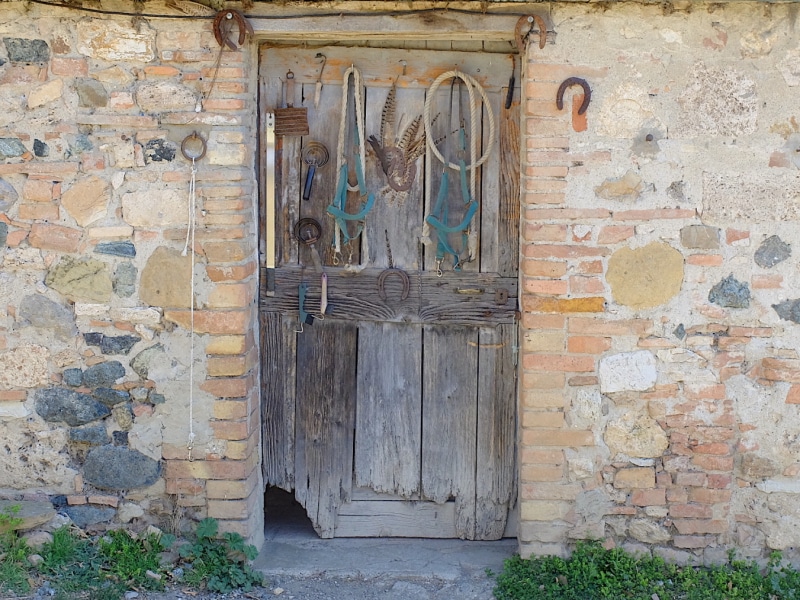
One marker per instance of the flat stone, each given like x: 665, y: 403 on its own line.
x: 110, y: 396
x: 120, y: 438
x: 634, y: 371
x: 120, y: 344
x: 72, y: 377
x: 730, y: 293
x: 81, y: 144
x: 32, y: 512
x: 158, y: 150
x: 93, y: 338
x: 789, y: 310
x: 166, y: 279
x: 627, y: 188
x: 126, y: 249
x: 39, y: 311
x: 142, y: 362
x: 648, y: 532
x: 11, y: 147
x: 156, y: 398
x: 128, y: 511
x: 8, y: 195
x: 36, y: 540
x: 753, y: 467
x: 702, y: 237
x: 591, y: 506
x: 114, y: 76
x: 43, y: 94
x: 676, y: 191
x: 115, y: 42
x: 68, y: 406
x: 772, y: 251
x: 91, y: 93
x: 124, y: 283
x: 165, y: 96
x: 3, y: 233
x: 636, y: 435
x: 81, y: 279
x: 95, y: 435
x: 87, y: 200
x: 21, y: 50
x: 40, y: 149
x: 104, y: 374
x: 85, y: 515
x: 645, y: 277
x: 24, y: 367
x: 155, y: 209
x: 119, y: 468
x: 123, y: 416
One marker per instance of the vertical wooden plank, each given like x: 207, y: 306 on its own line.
x: 277, y: 397
x: 495, y: 487
x: 389, y: 413
x: 449, y: 420
x: 489, y: 186
x: 509, y: 193
x: 326, y: 388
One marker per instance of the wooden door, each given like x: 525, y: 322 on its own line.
x: 393, y: 416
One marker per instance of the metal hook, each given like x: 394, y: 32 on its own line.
x: 587, y: 93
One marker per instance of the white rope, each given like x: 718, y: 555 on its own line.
x: 190, y: 232
x: 475, y: 119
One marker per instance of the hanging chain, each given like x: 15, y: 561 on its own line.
x: 388, y: 249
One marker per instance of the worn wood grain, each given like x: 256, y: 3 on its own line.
x: 456, y: 298
x: 389, y: 411
x: 396, y: 519
x: 509, y: 192
x: 278, y: 397
x: 449, y: 412
x: 326, y: 388
x: 496, y: 440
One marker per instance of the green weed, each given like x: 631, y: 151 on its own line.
x: 13, y: 553
x: 594, y: 573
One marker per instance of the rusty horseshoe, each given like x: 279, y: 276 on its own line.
x: 529, y: 21
x: 587, y: 93
x: 221, y: 31
x: 382, y: 282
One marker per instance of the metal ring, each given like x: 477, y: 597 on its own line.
x: 189, y: 147
x: 307, y: 231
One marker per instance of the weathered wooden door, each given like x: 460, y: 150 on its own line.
x: 393, y: 416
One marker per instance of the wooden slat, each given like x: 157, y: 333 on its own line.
x: 326, y: 387
x: 509, y: 184
x: 388, y: 415
x: 449, y: 420
x: 396, y: 519
x: 355, y: 297
x: 278, y: 396
x: 490, y: 248
x: 495, y: 475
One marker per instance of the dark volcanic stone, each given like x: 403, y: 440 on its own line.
x: 93, y: 338
x: 125, y: 279
x: 120, y: 344
x: 120, y: 438
x: 95, y: 435
x: 104, y: 374
x: 111, y: 397
x: 40, y: 148
x: 772, y: 251
x: 158, y: 151
x: 3, y: 233
x: 730, y: 293
x: 72, y: 377
x: 8, y: 195
x: 126, y: 249
x: 68, y: 406
x: 156, y: 398
x: 27, y: 51
x: 85, y: 515
x: 119, y: 468
x: 788, y: 310
x: 680, y: 331
x: 10, y: 147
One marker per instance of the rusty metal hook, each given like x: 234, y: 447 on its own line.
x: 587, y: 93
x: 222, y: 35
x: 399, y: 273
x: 529, y: 21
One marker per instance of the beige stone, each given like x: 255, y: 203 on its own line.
x: 39, y: 96
x: 109, y: 40
x: 636, y: 436
x: 115, y: 231
x: 166, y: 279
x: 81, y: 279
x: 226, y: 154
x: 635, y: 477
x: 156, y: 208
x: 625, y: 111
x: 87, y: 200
x: 21, y: 259
x: 114, y: 76
x: 31, y: 513
x: 627, y: 188
x: 648, y: 532
x: 37, y: 460
x: 758, y: 197
x: 645, y: 277
x: 24, y: 367
x: 164, y: 96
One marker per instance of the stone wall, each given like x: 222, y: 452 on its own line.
x: 660, y: 368
x: 98, y: 395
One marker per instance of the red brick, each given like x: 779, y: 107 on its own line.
x: 556, y: 362
x: 717, y: 449
x: 690, y: 511
x: 707, y: 496
x: 581, y: 380
x: 704, y: 260
x: 734, y: 235
x: 554, y: 143
x: 541, y: 457
x: 230, y: 387
x: 719, y: 481
x: 191, y: 487
x: 212, y: 321
x: 543, y: 321
x: 613, y: 234
x: 38, y: 190
x: 691, y: 479
x: 590, y: 266
x: 543, y: 381
x: 230, y: 430
x: 694, y: 526
x: 588, y: 344
x: 635, y: 477
x: 54, y: 237
x: 69, y: 67
x: 677, y: 495
x: 549, y: 172
x: 545, y: 233
x: 761, y: 332
x: 562, y: 438
x: 586, y: 285
x: 541, y: 474
x: 544, y: 268
x: 550, y: 491
x: 13, y: 395
x: 652, y: 214
x: 793, y: 397
x: 543, y: 198
x: 39, y: 212
x: 230, y: 273
x: 223, y: 73
x: 691, y: 541
x: 776, y: 369
x: 767, y: 282
x: 564, y: 305
x: 613, y: 328
x: 654, y: 497
x: 161, y: 71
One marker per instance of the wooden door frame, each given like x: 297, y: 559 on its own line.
x: 440, y: 26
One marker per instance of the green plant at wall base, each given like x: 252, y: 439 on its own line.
x: 13, y: 553
x: 594, y: 573
x: 219, y: 563
x: 128, y: 559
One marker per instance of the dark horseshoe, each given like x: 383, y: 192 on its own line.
x: 587, y: 93
x: 529, y: 21
x: 242, y: 23
x: 382, y: 282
